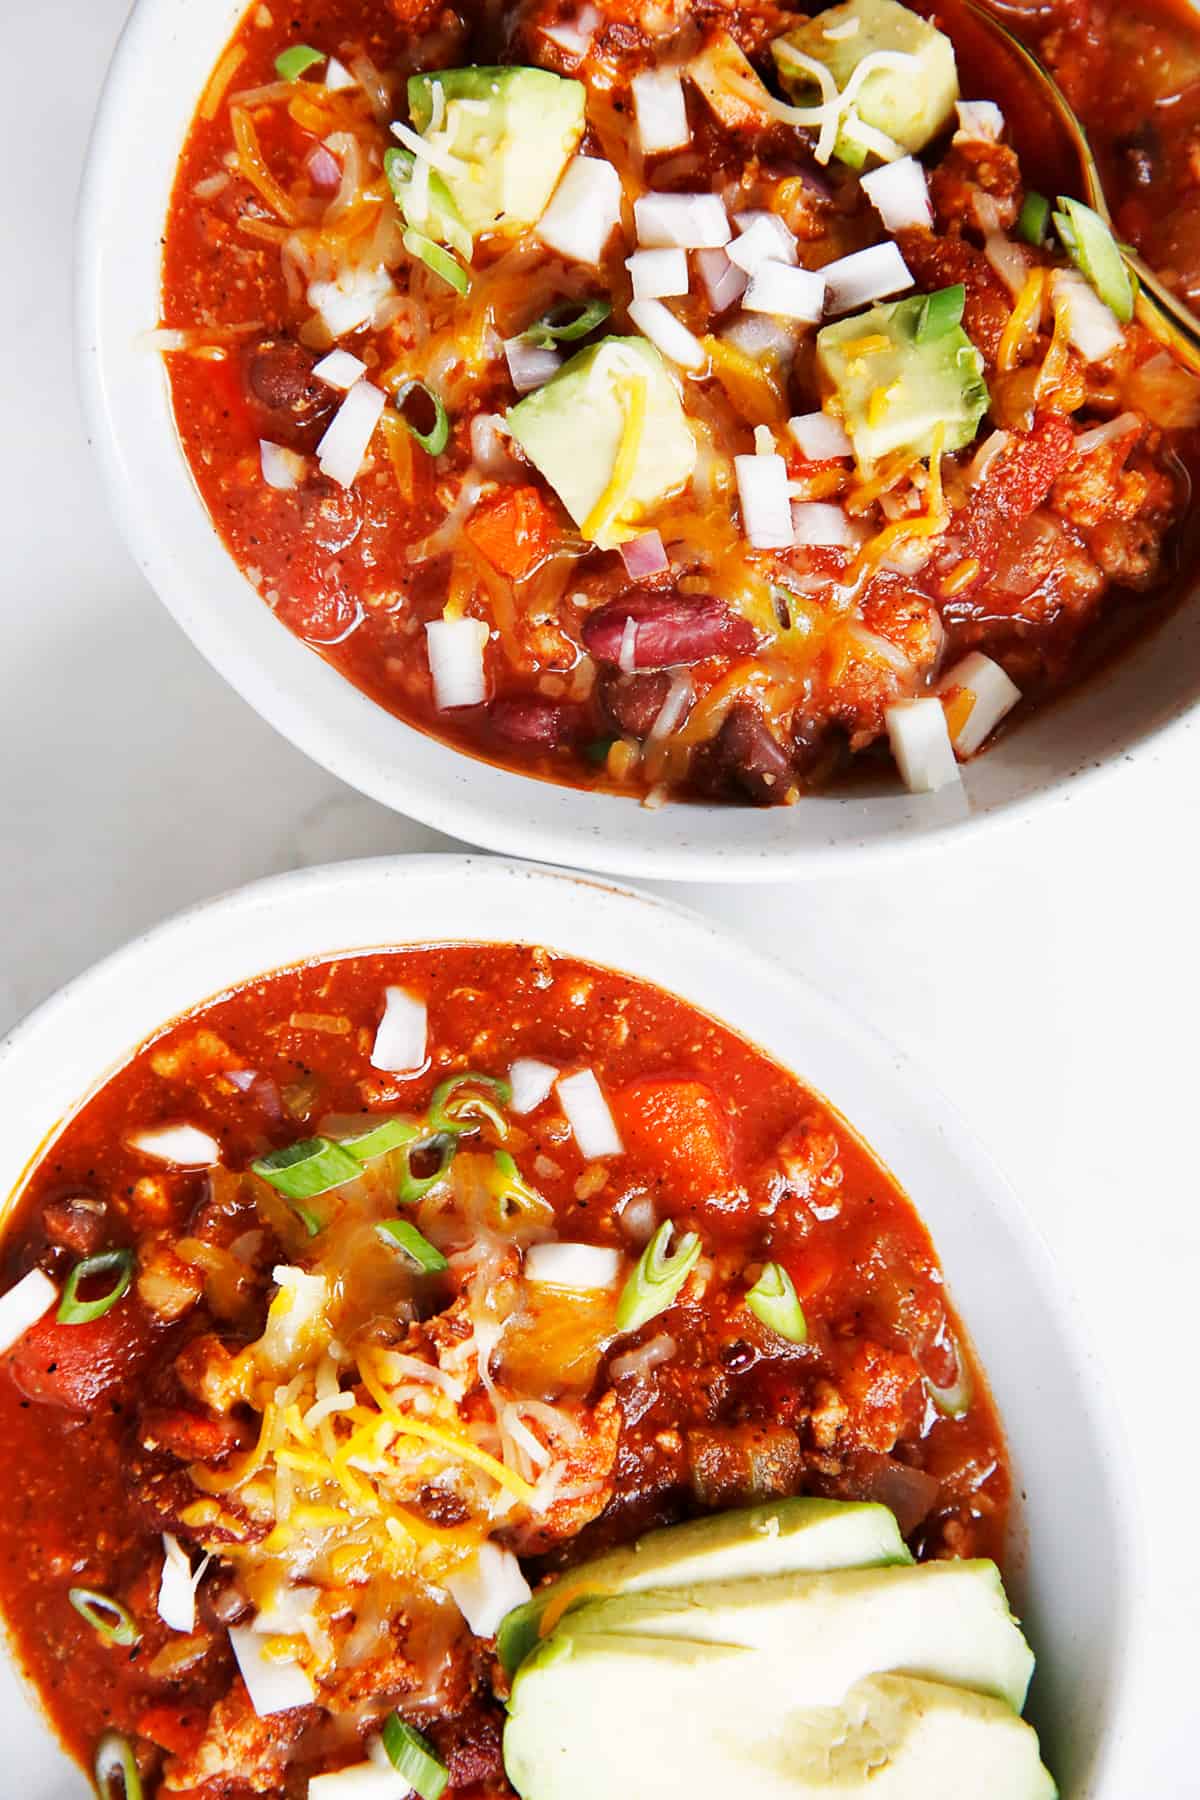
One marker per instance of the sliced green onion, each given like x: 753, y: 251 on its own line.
x: 291, y: 64
x: 656, y: 1281
x: 406, y: 1237
x: 452, y: 1110
x: 414, y: 1757
x: 438, y: 436
x: 597, y: 751
x: 773, y: 1300
x: 953, y: 1401
x: 107, y: 1617
x: 515, y: 1193
x: 437, y: 259
x: 74, y: 1311
x: 1034, y: 218
x: 389, y: 1134
x: 114, y: 1757
x: 941, y: 312
x: 410, y: 1188
x: 566, y: 323
x: 442, y: 215
x: 1093, y: 249
x: 304, y: 1170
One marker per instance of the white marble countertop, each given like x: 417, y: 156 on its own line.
x: 1047, y: 976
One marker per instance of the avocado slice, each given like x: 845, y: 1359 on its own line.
x: 899, y: 371
x: 613, y: 404
x: 783, y: 1537
x: 910, y: 104
x: 513, y: 130
x: 692, y: 1722
x: 817, y: 1635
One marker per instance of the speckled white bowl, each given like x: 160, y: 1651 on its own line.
x: 1076, y: 1550
x: 160, y: 66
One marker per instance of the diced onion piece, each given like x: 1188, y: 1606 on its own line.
x: 724, y: 282
x: 979, y: 122
x: 992, y: 446
x: 867, y: 275
x: 290, y: 1612
x: 342, y: 449
x: 184, y: 1145
x: 644, y: 555
x: 1092, y: 327
x: 661, y: 111
x: 455, y: 648
x: 786, y: 293
x: 574, y: 35
x: 766, y: 509
x: 761, y: 335
x: 679, y: 698
x: 273, y: 1687
x: 361, y: 1781
x: 1008, y: 260
x: 658, y: 274
x: 340, y: 370
x: 994, y: 696
x: 23, y: 1306
x: 350, y: 301
x: 763, y: 237
x: 667, y: 333
x: 487, y: 1588
x: 282, y: 468
x: 582, y: 1099
x: 583, y: 1266
x: 488, y: 436
x: 584, y: 211
x: 818, y: 523
x: 819, y: 437
x: 1124, y: 425
x: 530, y: 1081
x: 338, y: 76
x: 177, y: 1586
x: 637, y: 1363
x: 627, y: 649
x: 529, y: 366
x: 402, y: 1036
x: 296, y: 1309
x: 899, y: 193
x: 920, y: 742
x: 681, y: 221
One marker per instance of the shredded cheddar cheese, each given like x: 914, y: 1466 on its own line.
x: 1023, y: 321
x: 607, y: 511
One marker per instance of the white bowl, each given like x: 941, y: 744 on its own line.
x: 1076, y: 1549
x: 167, y: 50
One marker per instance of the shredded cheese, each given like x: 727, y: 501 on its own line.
x: 607, y: 510
x: 1022, y: 322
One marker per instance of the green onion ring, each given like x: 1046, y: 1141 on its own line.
x: 773, y: 1299
x: 437, y: 259
x: 435, y: 440
x: 414, y: 1244
x: 941, y: 312
x: 1034, y: 218
x: 563, y: 325
x: 410, y: 1188
x: 464, y: 1114
x: 414, y: 1757
x: 106, y: 1616
x: 380, y: 1139
x: 74, y: 1311
x: 516, y: 1196
x: 114, y: 1756
x: 303, y: 1170
x: 655, y: 1283
x: 291, y: 64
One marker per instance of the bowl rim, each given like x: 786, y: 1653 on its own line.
x: 446, y: 788
x: 298, y: 904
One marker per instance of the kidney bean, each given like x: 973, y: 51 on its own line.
x: 528, y: 720
x: 631, y: 703
x: 745, y: 756
x: 76, y: 1222
x: 279, y: 375
x: 672, y: 629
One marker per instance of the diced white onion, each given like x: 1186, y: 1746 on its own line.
x: 582, y: 1099
x: 761, y: 335
x: 658, y: 274
x: 282, y: 468
x: 763, y: 237
x: 402, y: 1035
x: 991, y: 447
x: 340, y: 369
x: 273, y: 1687
x: 661, y: 111
x: 455, y: 648
x: 819, y: 437
x: 679, y: 698
x: 979, y: 122
x: 667, y: 333
x: 23, y: 1306
x: 867, y: 275
x: 184, y: 1145
x: 627, y: 648
x: 921, y: 744
x: 635, y: 1363
x: 530, y: 366
x: 1008, y: 260
x: 361, y: 1781
x: 531, y: 1082
x: 995, y: 696
x: 487, y: 1588
x: 1124, y: 425
x: 351, y: 300
x: 1092, y: 327
x: 291, y: 1611
x: 574, y: 35
x: 786, y: 293
x: 638, y: 1219
x: 586, y: 207
x: 766, y: 509
x: 349, y: 433
x: 644, y: 555
x: 899, y: 193
x: 817, y: 523
x: 338, y: 76
x: 682, y: 221
x: 764, y: 441
x: 583, y: 1266
x: 724, y: 282
x: 177, y: 1586
x: 488, y: 437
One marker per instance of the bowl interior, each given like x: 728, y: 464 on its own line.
x: 123, y: 203
x: 1073, y: 1515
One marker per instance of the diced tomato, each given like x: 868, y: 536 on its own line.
x: 811, y: 1268
x: 74, y: 1365
x: 678, y: 1127
x: 191, y: 1436
x: 179, y: 1729
x: 515, y: 531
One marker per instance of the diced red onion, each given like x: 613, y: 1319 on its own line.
x: 979, y: 122
x: 273, y: 1687
x: 763, y: 237
x: 184, y: 1146
x: 282, y: 469
x: 582, y: 1100
x: 1124, y: 425
x: 820, y: 437
x: 684, y: 221
x: 644, y: 555
x: 24, y: 1304
x: 583, y: 1266
x: 899, y: 193
x: 529, y: 366
x: 786, y: 293
x: 817, y: 523
x: 347, y: 438
x: 658, y: 274
x: 531, y: 1082
x: 584, y: 212
x: 724, y: 282
x: 661, y: 111
x: 667, y: 333
x: 323, y: 170
x: 920, y: 743
x: 766, y: 510
x: 866, y: 275
x: 402, y: 1036
x: 340, y: 370
x: 995, y: 696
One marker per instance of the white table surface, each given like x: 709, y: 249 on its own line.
x: 1045, y: 975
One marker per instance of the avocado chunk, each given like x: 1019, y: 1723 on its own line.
x: 898, y: 372
x: 783, y: 1537
x: 503, y: 138
x: 609, y: 434
x: 909, y: 102
x: 692, y: 1722
x: 816, y: 1635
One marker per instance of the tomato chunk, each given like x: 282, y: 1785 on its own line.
x: 515, y: 531
x: 75, y: 1365
x: 677, y: 1126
